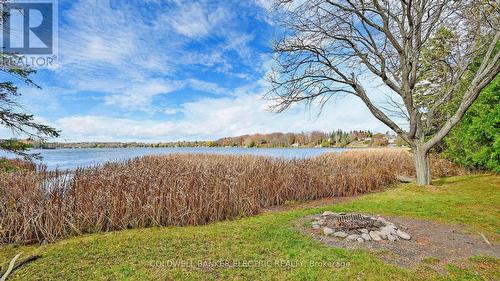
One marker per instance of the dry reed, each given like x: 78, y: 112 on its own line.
x: 184, y: 190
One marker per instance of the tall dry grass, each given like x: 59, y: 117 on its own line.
x: 184, y: 190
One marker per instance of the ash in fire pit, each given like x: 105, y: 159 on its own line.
x: 358, y: 227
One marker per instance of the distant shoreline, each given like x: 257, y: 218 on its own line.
x: 315, y: 139
x: 202, y: 146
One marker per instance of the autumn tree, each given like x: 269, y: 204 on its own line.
x: 419, y: 53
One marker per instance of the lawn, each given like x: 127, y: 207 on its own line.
x: 268, y: 247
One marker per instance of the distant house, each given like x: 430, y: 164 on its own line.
x: 295, y: 145
x: 392, y: 141
x: 379, y: 140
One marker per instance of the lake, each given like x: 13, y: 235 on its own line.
x: 70, y: 158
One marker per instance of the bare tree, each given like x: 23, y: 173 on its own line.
x: 344, y: 47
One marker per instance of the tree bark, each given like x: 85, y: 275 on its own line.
x: 422, y: 165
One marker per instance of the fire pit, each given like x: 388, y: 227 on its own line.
x: 358, y: 227
x: 354, y: 221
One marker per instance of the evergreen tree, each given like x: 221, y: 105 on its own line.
x: 12, y: 115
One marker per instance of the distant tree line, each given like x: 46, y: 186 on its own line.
x: 337, y: 138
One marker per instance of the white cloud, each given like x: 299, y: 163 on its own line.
x: 206, y: 86
x: 141, y: 95
x: 266, y: 4
x: 239, y: 44
x: 212, y: 118
x: 98, y: 36
x: 103, y: 51
x: 97, y: 127
x: 196, y: 20
x: 170, y: 111
x: 133, y: 62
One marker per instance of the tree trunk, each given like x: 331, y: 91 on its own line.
x: 422, y: 166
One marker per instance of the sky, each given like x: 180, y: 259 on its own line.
x: 152, y: 70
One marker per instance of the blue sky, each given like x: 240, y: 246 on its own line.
x: 154, y: 70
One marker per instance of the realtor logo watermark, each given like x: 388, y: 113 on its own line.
x: 29, y: 33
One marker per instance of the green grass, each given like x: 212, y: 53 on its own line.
x: 271, y: 238
x: 6, y: 166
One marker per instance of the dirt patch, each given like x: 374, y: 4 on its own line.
x: 437, y: 244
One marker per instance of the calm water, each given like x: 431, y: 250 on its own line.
x: 72, y: 158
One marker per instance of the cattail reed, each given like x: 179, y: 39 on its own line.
x: 184, y: 190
